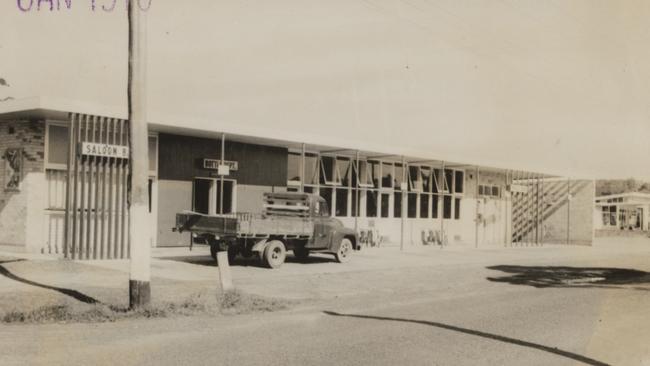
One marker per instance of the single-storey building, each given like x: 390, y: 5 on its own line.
x: 64, y: 174
x: 625, y: 211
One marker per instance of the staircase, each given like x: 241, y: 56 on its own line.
x: 542, y: 199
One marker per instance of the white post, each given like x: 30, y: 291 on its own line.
x: 140, y: 253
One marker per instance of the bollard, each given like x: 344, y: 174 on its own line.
x: 224, y: 271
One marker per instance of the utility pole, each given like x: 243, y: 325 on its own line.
x: 140, y: 251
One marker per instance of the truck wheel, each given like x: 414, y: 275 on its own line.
x: 301, y: 253
x: 274, y: 254
x: 344, y: 252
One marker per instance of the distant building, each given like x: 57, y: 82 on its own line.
x: 625, y: 211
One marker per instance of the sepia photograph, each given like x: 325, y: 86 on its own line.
x: 311, y: 182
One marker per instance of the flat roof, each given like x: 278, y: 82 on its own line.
x: 59, y: 109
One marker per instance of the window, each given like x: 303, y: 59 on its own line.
x: 385, y: 202
x: 374, y: 169
x: 355, y: 202
x: 371, y: 203
x: 457, y: 208
x: 425, y: 174
x: 364, y: 175
x: 341, y: 202
x: 488, y: 190
x: 311, y: 169
x: 153, y: 155
x: 459, y: 180
x: 435, y: 186
x: 424, y: 205
x: 387, y: 175
x: 326, y: 193
x: 434, y: 206
x: 329, y: 172
x: 293, y: 169
x: 57, y: 146
x: 412, y: 205
x: 344, y: 169
x: 397, y: 179
x: 446, y: 207
x: 415, y: 181
x: 397, y: 204
x: 449, y: 177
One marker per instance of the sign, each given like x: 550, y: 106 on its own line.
x: 214, y: 164
x: 104, y: 150
x: 518, y: 188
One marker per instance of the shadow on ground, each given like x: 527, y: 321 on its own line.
x: 572, y: 277
x: 477, y: 333
x: 65, y: 291
x: 244, y: 262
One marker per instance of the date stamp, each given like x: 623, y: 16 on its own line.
x: 93, y: 5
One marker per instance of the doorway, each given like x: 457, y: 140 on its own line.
x: 214, y: 196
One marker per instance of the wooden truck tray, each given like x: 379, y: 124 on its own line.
x: 222, y: 225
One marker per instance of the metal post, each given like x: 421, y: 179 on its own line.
x: 139, y: 285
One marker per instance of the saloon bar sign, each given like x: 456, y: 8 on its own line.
x: 104, y: 150
x: 215, y: 164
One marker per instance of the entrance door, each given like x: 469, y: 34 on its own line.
x: 202, y: 189
x: 208, y: 195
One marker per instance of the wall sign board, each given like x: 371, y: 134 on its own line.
x: 213, y: 164
x: 104, y: 150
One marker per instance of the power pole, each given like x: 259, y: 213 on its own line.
x: 140, y: 251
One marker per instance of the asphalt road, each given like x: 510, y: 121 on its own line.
x: 560, y: 308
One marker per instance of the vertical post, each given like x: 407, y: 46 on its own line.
x: 223, y: 161
x: 302, y: 169
x: 442, y: 204
x: 478, y: 181
x: 66, y: 229
x: 355, y: 195
x: 506, y: 216
x: 403, y: 203
x: 139, y: 279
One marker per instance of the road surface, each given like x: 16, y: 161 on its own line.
x: 528, y: 307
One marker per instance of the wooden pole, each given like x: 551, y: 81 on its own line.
x: 223, y: 162
x: 140, y: 251
x: 403, y: 204
x: 302, y: 169
x: 478, y: 181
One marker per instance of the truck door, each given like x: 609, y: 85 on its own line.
x: 323, y: 225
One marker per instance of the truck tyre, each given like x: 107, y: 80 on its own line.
x: 345, y: 251
x: 301, y: 253
x: 274, y: 254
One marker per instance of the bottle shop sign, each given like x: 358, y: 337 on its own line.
x: 104, y: 150
x: 223, y: 169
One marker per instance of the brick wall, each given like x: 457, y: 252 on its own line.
x: 16, y: 206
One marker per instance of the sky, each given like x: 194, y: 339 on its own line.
x: 552, y: 86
